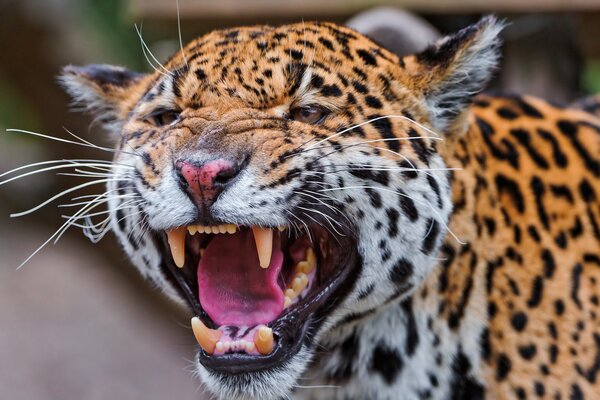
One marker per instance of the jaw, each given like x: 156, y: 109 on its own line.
x: 240, y: 369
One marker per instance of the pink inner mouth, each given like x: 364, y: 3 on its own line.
x: 233, y: 288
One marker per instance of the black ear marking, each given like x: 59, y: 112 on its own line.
x: 101, y: 90
x: 103, y: 74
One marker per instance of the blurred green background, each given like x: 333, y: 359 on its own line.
x: 77, y: 322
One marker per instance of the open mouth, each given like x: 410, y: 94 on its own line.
x: 256, y: 291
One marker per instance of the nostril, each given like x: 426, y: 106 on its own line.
x: 225, y: 175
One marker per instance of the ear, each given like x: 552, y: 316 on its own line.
x: 450, y: 72
x: 102, y: 90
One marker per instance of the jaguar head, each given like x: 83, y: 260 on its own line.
x: 282, y: 183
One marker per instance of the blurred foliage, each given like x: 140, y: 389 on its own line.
x: 591, y: 76
x: 114, y: 29
x: 14, y: 109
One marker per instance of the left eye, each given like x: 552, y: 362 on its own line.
x: 164, y: 117
x: 308, y: 114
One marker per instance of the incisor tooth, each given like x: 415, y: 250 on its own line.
x: 286, y: 302
x: 250, y: 346
x: 264, y: 340
x: 206, y: 337
x: 215, y: 229
x: 176, y: 239
x: 290, y: 293
x: 192, y: 229
x: 264, y: 245
x: 222, y: 228
x: 231, y: 228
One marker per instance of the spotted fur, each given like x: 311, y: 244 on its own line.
x: 477, y: 221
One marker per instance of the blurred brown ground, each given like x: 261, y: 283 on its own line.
x: 71, y: 327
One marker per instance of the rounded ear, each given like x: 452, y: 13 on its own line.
x: 451, y: 71
x: 102, y: 90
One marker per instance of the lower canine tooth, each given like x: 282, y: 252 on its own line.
x: 176, y: 239
x: 264, y: 340
x: 207, y: 338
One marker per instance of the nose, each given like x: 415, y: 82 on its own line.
x: 204, y: 182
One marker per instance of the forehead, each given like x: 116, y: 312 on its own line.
x: 260, y: 65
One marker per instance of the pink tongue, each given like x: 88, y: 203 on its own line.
x: 234, y: 289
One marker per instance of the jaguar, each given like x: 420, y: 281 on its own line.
x: 345, y: 223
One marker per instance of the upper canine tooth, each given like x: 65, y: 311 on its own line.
x: 264, y: 245
x: 264, y: 340
x: 207, y: 338
x: 176, y: 239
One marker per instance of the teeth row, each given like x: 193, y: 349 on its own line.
x: 300, y: 281
x: 225, y: 228
x: 208, y: 339
x: 236, y: 345
x: 262, y: 236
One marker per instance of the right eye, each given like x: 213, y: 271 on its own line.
x: 163, y: 117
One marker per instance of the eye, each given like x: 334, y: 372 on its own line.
x: 307, y: 114
x: 163, y: 117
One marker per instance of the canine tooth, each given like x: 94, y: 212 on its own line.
x: 300, y: 282
x: 206, y: 337
x: 286, y: 302
x: 290, y: 293
x: 192, y: 230
x: 231, y: 228
x: 311, y: 258
x: 264, y: 340
x: 250, y: 346
x: 176, y: 239
x: 264, y: 245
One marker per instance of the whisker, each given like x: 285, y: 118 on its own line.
x: 68, y: 141
x: 73, y: 189
x: 38, y: 171
x: 404, y: 195
x: 179, y: 33
x: 145, y: 49
x: 36, y: 164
